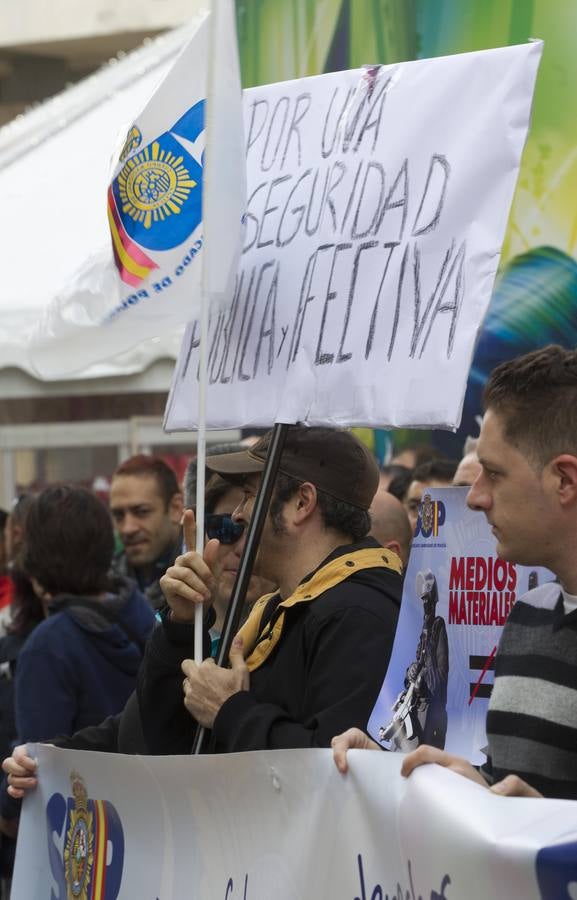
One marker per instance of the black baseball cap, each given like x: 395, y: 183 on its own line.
x: 335, y: 461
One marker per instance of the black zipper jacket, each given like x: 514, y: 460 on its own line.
x: 317, y: 664
x: 330, y: 653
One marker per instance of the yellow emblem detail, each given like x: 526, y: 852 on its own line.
x: 153, y: 185
x: 427, y: 514
x: 79, y: 845
x: 133, y: 140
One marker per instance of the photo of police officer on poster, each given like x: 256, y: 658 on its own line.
x: 456, y: 598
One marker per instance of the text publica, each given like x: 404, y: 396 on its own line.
x: 349, y: 303
x: 350, y: 253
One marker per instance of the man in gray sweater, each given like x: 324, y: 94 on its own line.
x: 527, y: 489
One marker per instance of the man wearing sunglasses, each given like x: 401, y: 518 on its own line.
x: 313, y: 653
x: 221, y: 498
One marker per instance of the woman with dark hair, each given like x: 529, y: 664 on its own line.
x: 77, y: 637
x: 79, y: 664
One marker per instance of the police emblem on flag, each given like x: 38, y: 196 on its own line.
x: 155, y: 201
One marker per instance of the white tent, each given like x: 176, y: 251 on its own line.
x: 54, y: 171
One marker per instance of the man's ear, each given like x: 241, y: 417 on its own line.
x: 395, y: 547
x: 305, y: 502
x: 176, y: 508
x: 564, y: 469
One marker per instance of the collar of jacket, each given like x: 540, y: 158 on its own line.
x: 258, y: 645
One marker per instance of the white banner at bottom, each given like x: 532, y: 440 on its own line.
x: 283, y: 824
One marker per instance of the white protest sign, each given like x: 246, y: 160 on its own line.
x: 283, y: 824
x: 377, y: 205
x: 456, y: 597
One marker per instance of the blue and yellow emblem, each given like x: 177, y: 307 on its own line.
x: 157, y: 194
x: 90, y: 864
x: 154, y: 184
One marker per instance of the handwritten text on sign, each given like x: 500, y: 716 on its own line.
x: 377, y: 203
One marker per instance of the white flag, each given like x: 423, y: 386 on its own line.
x: 148, y: 280
x: 225, y: 177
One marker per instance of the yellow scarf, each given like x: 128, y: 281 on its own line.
x: 259, y: 644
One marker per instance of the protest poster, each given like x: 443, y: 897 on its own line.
x: 377, y: 204
x: 456, y: 597
x: 283, y: 824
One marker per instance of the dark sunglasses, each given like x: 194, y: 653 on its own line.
x: 223, y: 528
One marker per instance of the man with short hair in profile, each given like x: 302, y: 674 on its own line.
x: 527, y: 489
x: 312, y: 653
x: 433, y: 474
x: 146, y: 508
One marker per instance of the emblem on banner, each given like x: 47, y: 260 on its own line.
x: 427, y: 515
x: 79, y: 845
x: 85, y: 845
x: 431, y: 517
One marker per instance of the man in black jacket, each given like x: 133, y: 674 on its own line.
x: 312, y: 657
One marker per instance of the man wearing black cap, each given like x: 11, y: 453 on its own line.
x: 311, y: 658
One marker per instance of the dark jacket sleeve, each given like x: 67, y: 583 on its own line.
x: 349, y: 653
x: 117, y: 734
x: 102, y: 738
x: 166, y: 725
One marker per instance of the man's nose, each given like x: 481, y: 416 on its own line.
x: 128, y: 525
x: 478, y: 498
x: 237, y: 513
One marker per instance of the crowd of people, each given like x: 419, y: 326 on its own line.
x: 109, y: 635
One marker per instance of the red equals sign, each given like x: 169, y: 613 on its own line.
x: 480, y: 688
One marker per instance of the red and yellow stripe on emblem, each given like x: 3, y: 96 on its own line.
x: 133, y: 265
x: 100, y: 848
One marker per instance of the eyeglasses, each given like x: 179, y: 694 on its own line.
x: 223, y: 528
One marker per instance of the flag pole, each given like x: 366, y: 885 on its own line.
x: 202, y: 376
x: 201, y: 463
x: 212, y: 286
x: 243, y: 576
